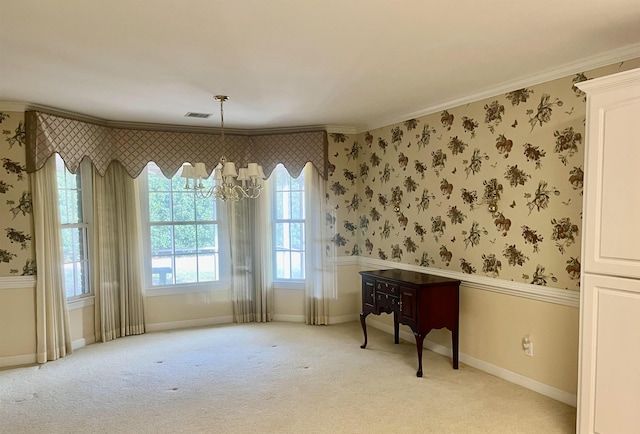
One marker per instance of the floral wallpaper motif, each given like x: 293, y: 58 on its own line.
x: 16, y: 254
x: 420, y: 192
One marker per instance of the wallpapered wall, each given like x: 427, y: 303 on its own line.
x: 523, y: 148
x: 16, y: 253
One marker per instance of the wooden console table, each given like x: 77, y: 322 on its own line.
x: 421, y: 301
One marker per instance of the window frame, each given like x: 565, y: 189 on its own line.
x: 224, y: 277
x: 279, y: 282
x: 86, y: 203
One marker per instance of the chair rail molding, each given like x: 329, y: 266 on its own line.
x: 547, y: 294
x: 17, y: 282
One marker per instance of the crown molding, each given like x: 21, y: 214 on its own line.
x: 21, y: 106
x: 340, y: 129
x: 13, y: 106
x: 617, y: 80
x: 16, y: 106
x: 619, y: 55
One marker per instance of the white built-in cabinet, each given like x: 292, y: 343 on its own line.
x: 609, y: 371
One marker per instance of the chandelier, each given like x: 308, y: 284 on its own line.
x: 229, y: 183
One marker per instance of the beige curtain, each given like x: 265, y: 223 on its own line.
x: 263, y: 256
x: 320, y: 253
x: 117, y: 264
x: 250, y: 245
x: 53, y: 339
x: 242, y: 288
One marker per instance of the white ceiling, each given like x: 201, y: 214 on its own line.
x: 351, y: 64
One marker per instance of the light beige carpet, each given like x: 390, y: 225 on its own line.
x: 267, y: 378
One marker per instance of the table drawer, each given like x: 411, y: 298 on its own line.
x: 387, y: 288
x: 384, y: 300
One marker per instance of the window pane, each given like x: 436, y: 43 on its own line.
x: 282, y: 178
x: 186, y: 269
x: 62, y: 203
x: 74, y: 206
x: 207, y: 238
x: 281, y: 212
x: 76, y: 267
x: 69, y: 280
x: 162, y: 270
x: 207, y: 267
x: 156, y: 180
x: 60, y: 172
x: 297, y: 265
x: 185, y: 239
x: 161, y: 240
x: 297, y: 205
x: 183, y: 207
x: 205, y: 209
x: 82, y: 244
x: 283, y: 265
x: 282, y: 235
x: 67, y: 245
x: 298, y: 183
x: 297, y: 236
x: 160, y: 207
x: 83, y: 278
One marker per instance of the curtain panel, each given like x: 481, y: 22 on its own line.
x: 53, y: 336
x: 320, y: 251
x: 117, y: 255
x: 74, y: 140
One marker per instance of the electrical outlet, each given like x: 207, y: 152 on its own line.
x: 527, y: 346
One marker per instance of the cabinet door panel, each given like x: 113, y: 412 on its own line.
x: 610, y: 356
x: 612, y: 185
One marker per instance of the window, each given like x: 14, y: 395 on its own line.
x: 183, y: 232
x: 74, y: 219
x: 288, y: 225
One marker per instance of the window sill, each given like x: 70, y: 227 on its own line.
x: 283, y: 284
x: 80, y: 302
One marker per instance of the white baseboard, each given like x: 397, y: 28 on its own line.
x: 344, y: 318
x: 510, y: 376
x: 173, y: 325
x: 79, y: 343
x: 301, y: 318
x: 14, y: 361
x: 288, y: 318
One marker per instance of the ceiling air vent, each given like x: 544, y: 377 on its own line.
x: 197, y: 115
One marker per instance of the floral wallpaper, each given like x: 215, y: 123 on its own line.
x: 491, y: 188
x: 16, y: 253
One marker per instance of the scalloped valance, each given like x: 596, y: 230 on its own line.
x: 74, y: 140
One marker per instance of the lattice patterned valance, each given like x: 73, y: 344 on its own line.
x: 134, y: 148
